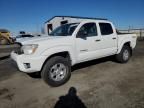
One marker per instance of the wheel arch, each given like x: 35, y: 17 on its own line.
x: 127, y: 43
x: 64, y: 54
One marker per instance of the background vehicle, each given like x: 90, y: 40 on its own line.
x: 5, y: 37
x: 23, y: 36
x: 71, y: 44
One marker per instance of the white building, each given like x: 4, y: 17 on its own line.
x: 60, y: 20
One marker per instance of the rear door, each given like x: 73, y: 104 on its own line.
x: 108, y: 39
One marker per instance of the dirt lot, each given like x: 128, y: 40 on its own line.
x: 99, y: 84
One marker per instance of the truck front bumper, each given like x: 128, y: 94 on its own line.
x: 27, y: 63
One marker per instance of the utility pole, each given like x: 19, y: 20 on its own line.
x: 129, y: 29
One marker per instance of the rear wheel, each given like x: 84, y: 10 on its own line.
x: 56, y: 71
x: 124, y: 55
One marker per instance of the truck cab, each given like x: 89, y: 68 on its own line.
x: 95, y: 39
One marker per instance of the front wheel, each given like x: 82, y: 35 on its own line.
x: 56, y: 71
x: 124, y: 55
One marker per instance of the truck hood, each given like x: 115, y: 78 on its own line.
x: 37, y: 40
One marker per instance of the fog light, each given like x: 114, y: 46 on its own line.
x: 27, y: 65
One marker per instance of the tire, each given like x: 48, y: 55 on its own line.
x: 56, y: 71
x: 124, y: 55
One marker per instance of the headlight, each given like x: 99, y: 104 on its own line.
x: 29, y: 49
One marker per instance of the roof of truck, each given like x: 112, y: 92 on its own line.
x: 77, y: 17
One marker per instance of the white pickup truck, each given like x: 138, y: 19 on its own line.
x: 71, y: 44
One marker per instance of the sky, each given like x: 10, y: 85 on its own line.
x: 30, y: 15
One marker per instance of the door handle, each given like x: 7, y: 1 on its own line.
x: 84, y: 50
x: 97, y: 40
x: 114, y: 38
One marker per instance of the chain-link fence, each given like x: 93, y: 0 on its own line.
x: 138, y: 32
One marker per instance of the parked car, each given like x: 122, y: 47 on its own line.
x: 71, y: 44
x: 23, y: 36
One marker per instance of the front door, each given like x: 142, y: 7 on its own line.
x: 87, y: 42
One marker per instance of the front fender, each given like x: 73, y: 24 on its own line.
x: 57, y: 49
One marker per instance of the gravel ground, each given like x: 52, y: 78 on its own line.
x: 100, y: 83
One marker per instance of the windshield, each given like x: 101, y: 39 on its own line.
x: 64, y: 30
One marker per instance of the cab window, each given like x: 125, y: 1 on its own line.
x: 106, y: 28
x: 88, y: 30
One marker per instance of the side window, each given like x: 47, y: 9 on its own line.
x: 106, y: 28
x: 88, y: 30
